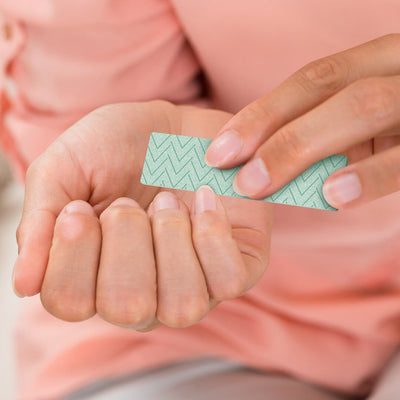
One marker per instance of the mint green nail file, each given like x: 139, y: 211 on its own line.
x: 177, y: 162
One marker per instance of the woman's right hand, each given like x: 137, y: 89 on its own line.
x: 92, y: 238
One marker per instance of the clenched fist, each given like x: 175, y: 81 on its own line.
x: 92, y: 238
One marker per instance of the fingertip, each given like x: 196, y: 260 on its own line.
x: 24, y: 282
x: 14, y: 285
x: 125, y: 201
x: 253, y: 180
x: 236, y: 188
x: 225, y: 148
x: 205, y: 200
x: 78, y: 207
x: 166, y: 200
x: 208, y: 162
x: 342, y: 189
x: 327, y: 195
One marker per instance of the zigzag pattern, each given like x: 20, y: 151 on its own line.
x: 177, y: 162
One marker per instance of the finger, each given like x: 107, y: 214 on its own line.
x: 155, y: 324
x: 359, y: 151
x: 370, y: 147
x: 69, y: 285
x: 224, y: 269
x: 390, y: 133
x: 212, y: 304
x: 366, y: 180
x: 45, y: 197
x: 382, y: 143
x: 240, y: 137
x: 354, y: 115
x: 126, y: 283
x: 182, y: 291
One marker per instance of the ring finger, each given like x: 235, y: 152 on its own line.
x: 182, y: 291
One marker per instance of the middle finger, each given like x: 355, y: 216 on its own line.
x: 356, y: 114
x: 126, y: 283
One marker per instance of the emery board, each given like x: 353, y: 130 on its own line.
x: 177, y: 162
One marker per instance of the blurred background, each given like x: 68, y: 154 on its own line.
x: 11, y: 201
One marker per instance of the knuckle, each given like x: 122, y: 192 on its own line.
x: 230, y: 289
x: 184, y: 313
x: 169, y: 221
x: 209, y: 226
x: 259, y: 109
x: 326, y: 74
x: 40, y: 170
x: 32, y: 170
x: 373, y: 98
x: 292, y: 143
x: 127, y: 310
x: 66, y: 305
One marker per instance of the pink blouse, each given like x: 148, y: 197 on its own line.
x: 327, y: 309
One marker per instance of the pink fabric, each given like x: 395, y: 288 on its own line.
x: 327, y: 310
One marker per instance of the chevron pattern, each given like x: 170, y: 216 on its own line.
x: 177, y: 162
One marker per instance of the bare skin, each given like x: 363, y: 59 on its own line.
x: 346, y: 103
x: 93, y: 239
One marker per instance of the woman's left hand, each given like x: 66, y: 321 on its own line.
x: 346, y: 103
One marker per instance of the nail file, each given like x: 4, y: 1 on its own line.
x: 177, y: 162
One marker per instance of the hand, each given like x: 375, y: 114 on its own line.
x: 346, y: 103
x: 89, y: 226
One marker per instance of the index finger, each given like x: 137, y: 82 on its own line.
x: 241, y: 136
x: 45, y: 197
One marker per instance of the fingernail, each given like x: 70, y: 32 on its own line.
x: 224, y: 148
x: 252, y: 179
x: 342, y: 190
x: 79, y: 207
x: 165, y: 200
x: 205, y: 199
x: 125, y: 201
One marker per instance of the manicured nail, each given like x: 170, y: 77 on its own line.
x: 125, y: 201
x: 224, y: 148
x: 79, y: 207
x: 252, y: 179
x: 342, y: 190
x: 205, y: 199
x: 165, y: 200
